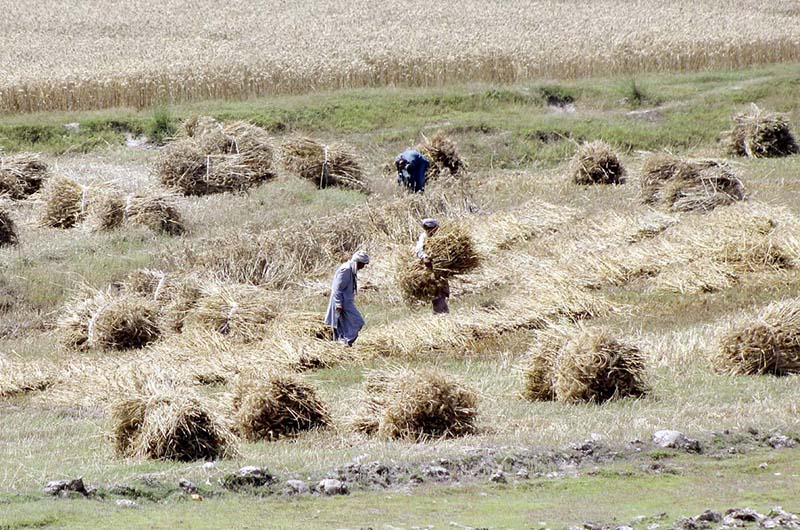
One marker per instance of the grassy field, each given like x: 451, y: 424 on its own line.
x: 517, y: 146
x: 76, y: 55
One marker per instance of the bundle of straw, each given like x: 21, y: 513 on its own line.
x: 442, y: 154
x: 689, y: 185
x: 596, y: 163
x: 768, y: 344
x: 277, y: 405
x: 760, y: 134
x: 66, y: 202
x: 243, y: 312
x: 156, y: 212
x: 109, y: 320
x: 165, y: 422
x: 21, y: 175
x: 324, y: 165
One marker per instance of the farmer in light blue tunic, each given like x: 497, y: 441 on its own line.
x: 343, y: 315
x: 411, y: 168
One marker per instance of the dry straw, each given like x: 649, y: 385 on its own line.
x: 66, y: 203
x: 217, y: 158
x: 760, y: 134
x: 157, y: 212
x: 442, y: 153
x: 766, y: 344
x: 175, y: 295
x: 21, y: 175
x: 165, y: 422
x: 8, y: 229
x: 276, y: 405
x: 416, y: 404
x: 682, y: 185
x: 242, y: 312
x: 109, y: 320
x: 596, y: 163
x: 324, y: 165
x: 588, y: 366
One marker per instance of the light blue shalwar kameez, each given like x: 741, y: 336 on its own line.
x: 348, y: 322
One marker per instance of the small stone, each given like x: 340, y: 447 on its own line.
x: 436, y: 471
x: 248, y: 476
x: 499, y: 478
x: 297, y: 487
x: 72, y: 127
x: 779, y: 441
x: 675, y: 440
x: 59, y: 487
x: 709, y: 516
x: 331, y: 486
x: 126, y: 503
x: 196, y: 497
x: 187, y: 485
x: 522, y: 473
x: 763, y: 465
x: 624, y: 527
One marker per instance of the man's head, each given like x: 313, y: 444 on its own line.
x: 430, y: 225
x: 361, y: 259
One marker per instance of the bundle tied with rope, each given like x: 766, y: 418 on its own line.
x: 67, y: 203
x: 452, y: 253
x: 215, y: 158
x: 109, y: 320
x: 156, y: 212
x: 21, y: 175
x: 241, y: 312
x: 324, y: 165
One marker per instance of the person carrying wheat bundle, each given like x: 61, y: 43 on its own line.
x: 430, y: 227
x: 343, y: 315
x: 411, y: 169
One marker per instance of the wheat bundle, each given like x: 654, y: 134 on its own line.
x: 243, y: 312
x: 595, y: 367
x: 66, y: 203
x: 688, y: 185
x: 21, y: 175
x: 254, y: 145
x: 156, y: 212
x: 109, y: 320
x: 169, y: 423
x: 596, y: 163
x: 8, y: 229
x: 198, y: 126
x: 176, y: 295
x: 768, y: 344
x: 537, y: 374
x: 417, y: 282
x: 18, y: 378
x: 277, y: 405
x: 442, y: 154
x: 417, y: 405
x: 324, y: 165
x: 760, y: 134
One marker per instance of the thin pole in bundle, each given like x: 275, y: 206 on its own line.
x: 323, y: 182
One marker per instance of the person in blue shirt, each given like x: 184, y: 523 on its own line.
x: 411, y: 169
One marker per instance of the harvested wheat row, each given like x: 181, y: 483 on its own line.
x: 18, y: 378
x: 175, y: 295
x: 109, y: 320
x: 596, y: 163
x: 242, y: 312
x: 21, y: 175
x: 442, y: 154
x: 588, y: 366
x: 276, y: 405
x: 156, y: 212
x: 8, y: 229
x: 760, y: 134
x: 306, y: 324
x: 324, y: 165
x: 688, y: 185
x: 766, y: 344
x: 166, y: 422
x: 416, y: 405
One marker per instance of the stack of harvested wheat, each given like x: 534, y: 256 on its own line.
x: 596, y: 163
x: 768, y: 344
x: 688, y: 185
x: 452, y: 252
x: 176, y: 295
x: 243, y: 312
x: 109, y: 320
x: 324, y: 165
x: 416, y: 405
x: 21, y: 175
x: 8, y: 230
x: 442, y: 153
x: 157, y: 212
x: 217, y: 158
x: 164, y: 422
x: 306, y: 324
x: 590, y: 367
x: 761, y: 134
x: 22, y: 377
x: 277, y: 405
x: 67, y: 203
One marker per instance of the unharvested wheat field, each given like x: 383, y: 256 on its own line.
x: 84, y: 55
x: 560, y: 261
